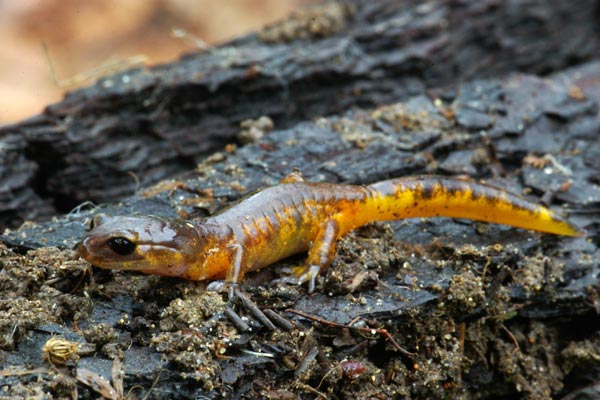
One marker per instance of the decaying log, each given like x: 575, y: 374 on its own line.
x: 144, y: 125
x: 478, y: 310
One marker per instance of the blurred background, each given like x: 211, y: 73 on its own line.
x: 50, y: 46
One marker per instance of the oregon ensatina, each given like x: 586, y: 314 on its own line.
x: 293, y: 217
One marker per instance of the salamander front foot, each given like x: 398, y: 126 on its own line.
x: 234, y: 293
x: 222, y: 286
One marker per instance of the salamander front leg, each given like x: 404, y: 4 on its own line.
x: 320, y: 254
x: 235, y: 273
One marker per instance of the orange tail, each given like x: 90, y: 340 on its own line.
x: 443, y: 197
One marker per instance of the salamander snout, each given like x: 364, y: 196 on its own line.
x: 119, y: 245
x: 144, y: 243
x: 97, y: 249
x: 115, y: 239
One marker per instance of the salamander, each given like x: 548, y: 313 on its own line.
x: 297, y: 216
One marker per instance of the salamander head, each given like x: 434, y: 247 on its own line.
x: 148, y: 244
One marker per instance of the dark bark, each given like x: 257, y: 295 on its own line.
x: 158, y: 122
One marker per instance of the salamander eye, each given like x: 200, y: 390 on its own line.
x: 121, y: 246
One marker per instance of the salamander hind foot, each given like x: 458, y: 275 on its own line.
x: 307, y: 273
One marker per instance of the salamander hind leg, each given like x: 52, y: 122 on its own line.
x: 320, y: 254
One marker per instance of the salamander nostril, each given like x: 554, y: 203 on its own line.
x: 121, y: 245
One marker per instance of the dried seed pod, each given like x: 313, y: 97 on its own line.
x: 58, y: 350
